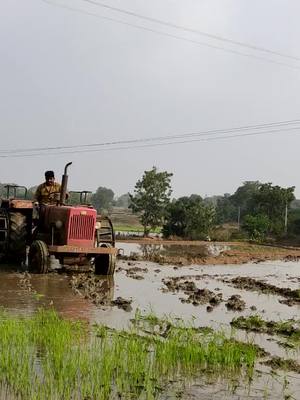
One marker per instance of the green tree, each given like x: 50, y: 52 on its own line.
x: 177, y: 217
x: 151, y: 196
x: 294, y: 222
x: 244, y: 196
x: 123, y: 200
x: 257, y: 226
x: 226, y: 211
x: 189, y: 217
x: 273, y: 201
x: 102, y: 199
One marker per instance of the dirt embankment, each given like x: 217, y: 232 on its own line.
x: 198, y: 252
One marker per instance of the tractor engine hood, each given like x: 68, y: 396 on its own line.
x: 74, y: 226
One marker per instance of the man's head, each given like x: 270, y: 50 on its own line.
x: 49, y: 176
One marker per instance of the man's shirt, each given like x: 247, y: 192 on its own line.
x: 47, y: 194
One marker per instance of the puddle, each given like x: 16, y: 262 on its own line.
x: 150, y: 250
x: 22, y: 296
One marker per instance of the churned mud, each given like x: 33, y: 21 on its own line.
x: 203, y: 253
x: 98, y: 291
x: 197, y: 296
x: 289, y: 329
x: 208, y: 297
x: 136, y: 272
x: 291, y: 296
x: 283, y: 364
x: 194, y: 295
x: 236, y: 303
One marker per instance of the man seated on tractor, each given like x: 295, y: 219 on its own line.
x: 49, y: 191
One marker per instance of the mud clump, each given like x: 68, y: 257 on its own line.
x: 136, y: 269
x: 132, y: 272
x: 235, y: 303
x: 292, y: 258
x: 195, y: 296
x: 26, y: 285
x: 174, y: 284
x: 292, y: 296
x: 204, y: 296
x: 135, y: 276
x: 283, y: 364
x: 124, y: 304
x: 95, y: 289
x: 98, y: 290
x: 25, y: 282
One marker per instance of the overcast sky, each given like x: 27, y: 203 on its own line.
x: 69, y: 78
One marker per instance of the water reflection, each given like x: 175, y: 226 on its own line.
x: 50, y: 291
x: 149, y: 251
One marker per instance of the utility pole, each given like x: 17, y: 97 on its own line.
x: 239, y: 217
x: 286, y: 218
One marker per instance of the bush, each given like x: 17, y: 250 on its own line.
x: 256, y: 226
x: 190, y: 218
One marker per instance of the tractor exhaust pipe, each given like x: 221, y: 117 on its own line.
x: 64, y: 184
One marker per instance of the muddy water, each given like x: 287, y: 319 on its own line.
x: 200, y: 250
x: 24, y: 296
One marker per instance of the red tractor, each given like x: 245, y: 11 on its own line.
x: 74, y: 235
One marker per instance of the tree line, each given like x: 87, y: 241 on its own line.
x: 257, y: 210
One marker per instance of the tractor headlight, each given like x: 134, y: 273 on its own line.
x: 98, y: 225
x: 58, y: 224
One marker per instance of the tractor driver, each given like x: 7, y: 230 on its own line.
x: 49, y: 191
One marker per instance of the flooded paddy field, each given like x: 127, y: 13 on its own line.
x: 256, y: 304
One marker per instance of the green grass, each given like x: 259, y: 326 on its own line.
x: 128, y: 228
x: 131, y: 228
x: 46, y: 357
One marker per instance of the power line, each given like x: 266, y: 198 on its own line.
x: 280, y: 124
x: 216, y: 47
x: 190, y: 30
x: 153, y: 144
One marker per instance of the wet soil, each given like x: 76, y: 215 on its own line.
x: 204, y: 253
x: 285, y: 365
x: 289, y: 328
x: 203, y: 288
x: 198, y: 296
x: 97, y: 290
x: 236, y: 303
x: 291, y: 296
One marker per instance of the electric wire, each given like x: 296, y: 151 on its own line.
x: 233, y: 136
x: 261, y: 127
x: 190, y: 30
x: 196, y: 42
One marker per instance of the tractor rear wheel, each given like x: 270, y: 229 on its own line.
x: 38, y: 257
x: 17, y: 237
x: 105, y: 234
x: 105, y: 263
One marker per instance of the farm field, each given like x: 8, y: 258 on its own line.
x: 181, y: 330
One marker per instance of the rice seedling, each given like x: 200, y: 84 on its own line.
x: 46, y: 357
x: 289, y: 329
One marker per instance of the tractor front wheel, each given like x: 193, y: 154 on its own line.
x: 105, y: 263
x: 38, y: 257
